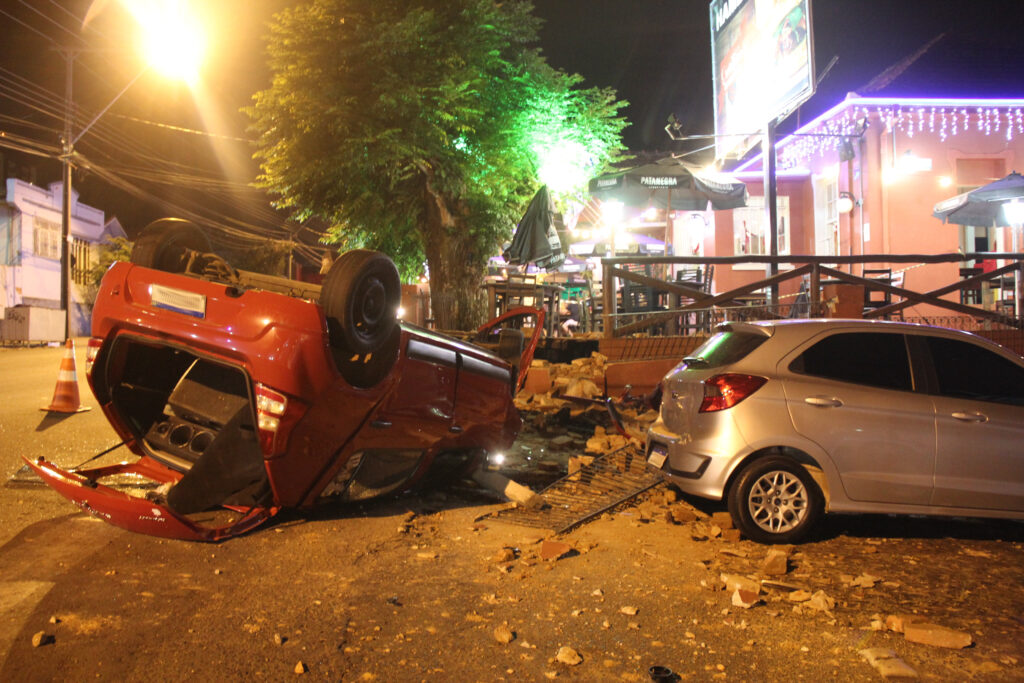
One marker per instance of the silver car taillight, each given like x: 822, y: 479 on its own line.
x: 722, y: 392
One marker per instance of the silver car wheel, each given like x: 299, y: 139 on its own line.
x: 778, y: 501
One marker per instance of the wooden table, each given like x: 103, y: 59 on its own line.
x: 541, y: 295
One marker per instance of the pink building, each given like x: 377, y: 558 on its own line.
x: 863, y: 178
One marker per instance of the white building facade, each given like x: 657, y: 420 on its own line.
x: 30, y: 251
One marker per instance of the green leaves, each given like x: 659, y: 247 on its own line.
x: 406, y: 121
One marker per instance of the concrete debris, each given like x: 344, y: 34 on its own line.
x: 554, y: 550
x: 731, y: 535
x: 887, y: 663
x: 744, y: 599
x: 603, y: 442
x: 506, y: 554
x: 865, y: 581
x: 577, y: 463
x: 898, y: 622
x: 799, y: 596
x: 723, y: 520
x: 937, y: 636
x: 628, y: 610
x: 505, y: 486
x: 776, y: 562
x: 569, y: 656
x: 821, y: 602
x: 736, y: 582
x: 503, y: 634
x: 682, y: 513
x: 41, y: 638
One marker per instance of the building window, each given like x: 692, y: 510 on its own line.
x: 10, y: 237
x: 826, y: 216
x: 81, y: 261
x: 46, y: 237
x: 749, y: 231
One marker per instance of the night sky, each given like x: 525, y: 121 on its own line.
x: 655, y: 53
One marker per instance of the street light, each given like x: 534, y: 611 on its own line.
x: 174, y: 46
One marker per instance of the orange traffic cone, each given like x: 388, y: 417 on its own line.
x: 65, y: 396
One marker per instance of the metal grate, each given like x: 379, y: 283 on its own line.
x: 584, y: 494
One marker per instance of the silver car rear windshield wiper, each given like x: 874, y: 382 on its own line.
x: 695, y: 360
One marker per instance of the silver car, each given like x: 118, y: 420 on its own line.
x: 787, y: 420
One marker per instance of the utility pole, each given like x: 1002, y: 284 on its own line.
x: 67, y: 147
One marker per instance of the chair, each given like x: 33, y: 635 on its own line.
x: 970, y: 294
x: 874, y: 298
x: 518, y: 288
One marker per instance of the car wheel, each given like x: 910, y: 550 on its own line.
x: 774, y: 500
x: 164, y: 244
x: 361, y: 294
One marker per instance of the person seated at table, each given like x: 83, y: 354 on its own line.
x: 569, y: 313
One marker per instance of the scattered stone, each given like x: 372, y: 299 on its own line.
x: 628, y: 610
x: 279, y: 639
x: 426, y: 556
x: 935, y: 635
x: 888, y: 663
x: 300, y: 667
x: 569, y: 656
x: 865, y: 581
x: 554, y: 550
x: 735, y: 581
x: 504, y: 555
x: 731, y: 535
x: 821, y: 601
x: 54, y: 619
x: 897, y: 622
x: 682, y: 514
x: 577, y: 463
x: 776, y: 562
x: 744, y: 599
x: 799, y: 596
x: 722, y: 520
x: 504, y: 635
x: 41, y: 638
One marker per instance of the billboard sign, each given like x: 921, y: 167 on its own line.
x: 762, y: 55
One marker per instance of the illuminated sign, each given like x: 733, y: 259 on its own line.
x: 762, y: 54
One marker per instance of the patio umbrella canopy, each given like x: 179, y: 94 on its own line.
x: 983, y: 205
x: 536, y: 239
x: 669, y: 184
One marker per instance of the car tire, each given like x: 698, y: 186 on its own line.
x: 164, y: 244
x: 361, y: 294
x: 775, y: 500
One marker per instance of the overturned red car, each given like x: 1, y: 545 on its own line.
x: 249, y: 393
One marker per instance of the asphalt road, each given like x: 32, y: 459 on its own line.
x: 429, y: 588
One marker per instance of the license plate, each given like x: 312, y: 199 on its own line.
x: 657, y: 457
x: 178, y: 300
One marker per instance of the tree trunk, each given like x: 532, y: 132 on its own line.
x: 456, y: 260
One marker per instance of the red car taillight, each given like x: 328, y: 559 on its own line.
x: 722, y: 392
x: 91, y: 352
x: 276, y: 415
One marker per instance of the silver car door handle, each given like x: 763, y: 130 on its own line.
x: 970, y: 417
x: 823, y: 401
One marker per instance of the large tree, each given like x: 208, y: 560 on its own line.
x: 422, y: 128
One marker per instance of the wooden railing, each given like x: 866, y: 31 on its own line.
x: 814, y: 267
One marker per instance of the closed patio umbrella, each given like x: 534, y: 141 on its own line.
x: 536, y: 239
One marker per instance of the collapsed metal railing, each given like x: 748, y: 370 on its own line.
x: 583, y: 494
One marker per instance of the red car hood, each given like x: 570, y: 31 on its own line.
x: 140, y: 514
